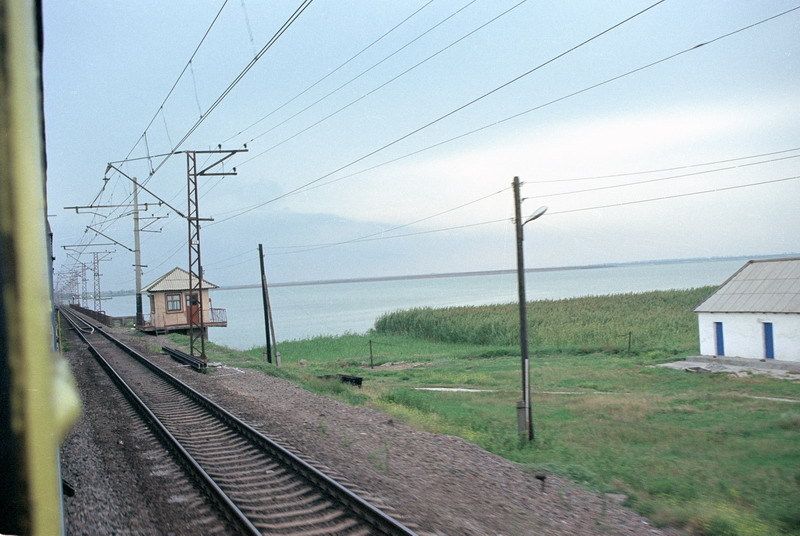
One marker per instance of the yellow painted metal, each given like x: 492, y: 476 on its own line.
x: 43, y: 400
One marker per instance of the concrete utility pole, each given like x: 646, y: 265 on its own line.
x: 137, y: 256
x: 137, y: 230
x: 97, y: 258
x: 524, y: 407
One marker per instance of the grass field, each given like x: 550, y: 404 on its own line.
x: 689, y: 450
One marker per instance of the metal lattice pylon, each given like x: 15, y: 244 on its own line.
x: 96, y: 272
x: 195, y: 313
x: 84, y: 287
x: 194, y: 308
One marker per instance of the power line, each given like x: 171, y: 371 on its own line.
x: 238, y: 263
x: 169, y: 93
x: 448, y: 114
x: 168, y: 257
x: 229, y: 257
x: 429, y: 231
x: 368, y: 69
x: 364, y: 237
x: 351, y: 58
x: 674, y: 168
x: 489, y: 222
x: 381, y: 86
x: 178, y: 79
x: 674, y: 196
x: 380, y: 235
x: 351, y: 80
x: 659, y: 179
x: 283, y: 28
x: 546, y: 104
x: 381, y: 232
x: 608, y: 81
x: 553, y: 213
x: 137, y: 158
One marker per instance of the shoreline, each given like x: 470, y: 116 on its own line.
x: 478, y: 273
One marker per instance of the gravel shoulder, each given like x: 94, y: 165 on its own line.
x: 738, y: 367
x: 125, y: 483
x: 437, y: 484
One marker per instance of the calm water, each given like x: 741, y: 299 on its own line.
x: 309, y: 310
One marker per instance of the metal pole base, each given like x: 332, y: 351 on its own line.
x: 522, y: 421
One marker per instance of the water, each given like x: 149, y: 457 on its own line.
x: 311, y: 310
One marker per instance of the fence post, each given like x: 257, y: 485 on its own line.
x: 630, y: 334
x: 371, y: 363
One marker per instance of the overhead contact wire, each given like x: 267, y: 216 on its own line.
x: 448, y: 114
x: 357, y: 54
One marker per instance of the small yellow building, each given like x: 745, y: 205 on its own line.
x: 171, y: 306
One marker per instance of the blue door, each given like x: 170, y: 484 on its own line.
x: 720, y: 340
x: 769, y: 345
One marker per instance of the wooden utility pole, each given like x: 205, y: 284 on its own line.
x: 265, y: 300
x: 268, y: 320
x: 274, y: 340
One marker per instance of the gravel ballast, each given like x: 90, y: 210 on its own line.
x: 124, y: 481
x: 437, y: 484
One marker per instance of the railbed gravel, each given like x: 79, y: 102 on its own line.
x: 125, y: 482
x: 436, y: 484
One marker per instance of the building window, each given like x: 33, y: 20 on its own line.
x: 173, y: 302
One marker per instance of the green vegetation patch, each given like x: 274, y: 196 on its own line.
x: 659, y: 320
x: 688, y: 450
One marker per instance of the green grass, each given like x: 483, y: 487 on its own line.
x: 688, y: 450
x: 659, y: 320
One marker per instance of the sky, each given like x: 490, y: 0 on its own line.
x: 395, y: 113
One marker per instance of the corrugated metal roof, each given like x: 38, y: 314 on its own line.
x: 175, y: 279
x: 768, y: 286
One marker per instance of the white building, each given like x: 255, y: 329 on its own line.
x: 755, y: 313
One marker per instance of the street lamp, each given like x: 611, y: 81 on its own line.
x: 524, y: 411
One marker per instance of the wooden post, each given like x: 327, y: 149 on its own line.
x: 265, y: 300
x: 371, y: 363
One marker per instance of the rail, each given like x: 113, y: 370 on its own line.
x: 231, y: 511
x: 378, y: 520
x: 182, y: 357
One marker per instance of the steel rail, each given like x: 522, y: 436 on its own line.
x: 377, y: 519
x: 186, y: 460
x: 186, y: 359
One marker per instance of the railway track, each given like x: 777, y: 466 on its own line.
x: 258, y: 485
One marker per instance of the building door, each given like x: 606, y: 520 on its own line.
x: 719, y: 339
x: 769, y: 345
x: 192, y: 309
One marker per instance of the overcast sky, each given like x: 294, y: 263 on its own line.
x: 109, y: 65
